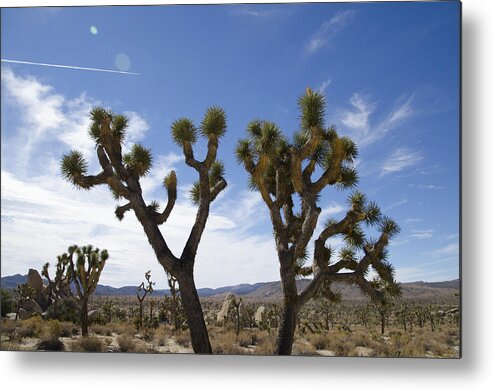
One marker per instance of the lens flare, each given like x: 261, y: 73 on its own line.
x: 93, y: 30
x: 122, y: 62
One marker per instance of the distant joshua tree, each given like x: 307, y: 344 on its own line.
x: 142, y: 292
x: 85, y: 272
x: 122, y: 173
x: 282, y: 171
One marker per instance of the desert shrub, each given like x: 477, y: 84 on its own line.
x: 32, y: 327
x: 100, y: 329
x: 161, y: 335
x: 9, y: 329
x: 9, y: 346
x: 303, y: 348
x: 245, y: 339
x: 266, y: 346
x: 68, y: 329
x: 126, y: 343
x: 88, y: 344
x: 6, y: 302
x: 183, y: 339
x: 67, y: 309
x: 318, y: 341
x: 50, y: 344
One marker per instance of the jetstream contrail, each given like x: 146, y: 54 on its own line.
x: 68, y: 67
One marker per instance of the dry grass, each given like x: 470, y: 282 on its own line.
x: 88, y: 344
x: 126, y: 343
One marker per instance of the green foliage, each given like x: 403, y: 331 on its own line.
x: 214, y: 123
x: 7, y: 302
x: 138, y: 160
x: 73, y: 166
x: 170, y: 181
x: 216, y: 172
x: 312, y: 109
x: 66, y: 310
x: 183, y: 132
x: 389, y: 227
x: 195, y: 193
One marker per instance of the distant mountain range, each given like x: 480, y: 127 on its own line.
x: 273, y: 290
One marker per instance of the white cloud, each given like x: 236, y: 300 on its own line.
x: 395, y: 204
x: 42, y: 214
x: 44, y: 117
x: 323, y: 87
x: 327, y: 31
x: 421, y: 234
x: 448, y: 250
x: 255, y: 13
x: 357, y: 120
x: 402, y: 158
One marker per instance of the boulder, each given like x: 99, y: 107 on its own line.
x: 225, y: 308
x: 34, y: 280
x: 259, y: 314
x: 31, y: 306
x: 24, y: 314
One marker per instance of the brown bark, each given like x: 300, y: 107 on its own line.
x: 194, y: 314
x: 84, y: 318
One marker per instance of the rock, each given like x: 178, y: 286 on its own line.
x: 34, y: 280
x: 259, y: 314
x: 225, y: 308
x: 24, y: 314
x: 31, y: 306
x: 11, y: 316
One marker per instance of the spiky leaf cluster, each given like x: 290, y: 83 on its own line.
x: 216, y: 174
x: 73, y: 166
x: 118, y: 124
x: 214, y: 123
x: 138, y: 160
x: 183, y: 132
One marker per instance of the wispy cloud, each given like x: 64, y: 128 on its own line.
x: 448, y: 250
x: 322, y: 88
x: 328, y: 30
x: 357, y: 119
x: 421, y: 234
x: 255, y: 12
x: 68, y: 67
x: 402, y: 158
x: 395, y: 204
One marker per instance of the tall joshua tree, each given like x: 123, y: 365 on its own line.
x: 85, y: 272
x: 282, y: 171
x: 122, y: 173
x: 142, y: 292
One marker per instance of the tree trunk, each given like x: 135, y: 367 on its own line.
x: 84, y: 318
x: 382, y: 322
x: 194, y: 315
x: 287, y: 328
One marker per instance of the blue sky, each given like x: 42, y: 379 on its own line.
x: 390, y: 73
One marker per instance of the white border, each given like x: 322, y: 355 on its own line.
x: 119, y: 371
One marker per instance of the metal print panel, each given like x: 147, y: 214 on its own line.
x: 270, y: 179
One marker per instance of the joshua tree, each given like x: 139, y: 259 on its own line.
x: 142, y: 292
x: 85, y: 273
x: 122, y: 174
x: 175, y: 300
x: 24, y: 293
x: 59, y: 287
x: 282, y: 172
x: 236, y: 303
x: 388, y: 292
